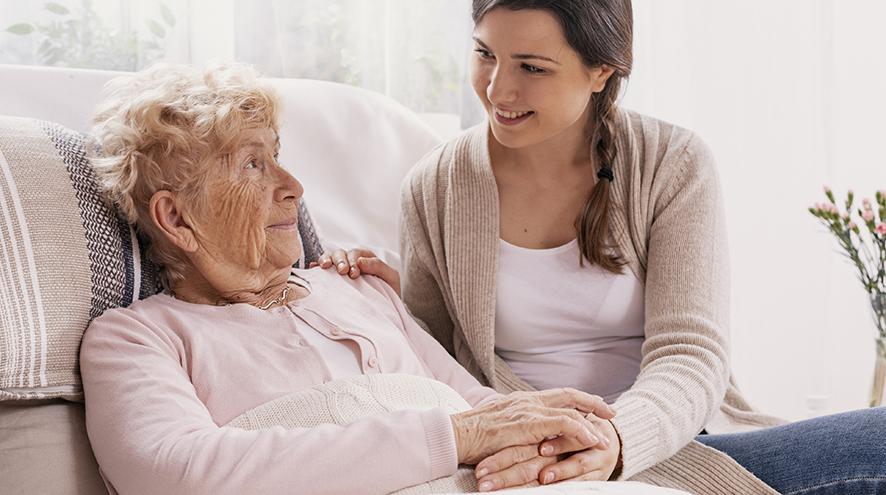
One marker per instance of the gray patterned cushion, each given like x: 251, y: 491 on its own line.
x: 65, y: 257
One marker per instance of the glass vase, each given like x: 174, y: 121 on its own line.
x: 879, y: 388
x: 878, y: 304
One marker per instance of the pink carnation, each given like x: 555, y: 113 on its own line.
x: 866, y: 202
x: 852, y: 226
x: 867, y: 215
x: 826, y: 189
x: 881, y: 228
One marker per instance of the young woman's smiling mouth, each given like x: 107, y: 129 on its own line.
x: 508, y: 117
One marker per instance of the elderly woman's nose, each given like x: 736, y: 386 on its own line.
x: 288, y: 188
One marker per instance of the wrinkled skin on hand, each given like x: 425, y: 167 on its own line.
x: 567, y: 460
x: 527, y: 418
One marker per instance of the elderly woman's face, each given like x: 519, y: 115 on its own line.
x: 247, y: 223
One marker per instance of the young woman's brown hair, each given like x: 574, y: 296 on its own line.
x: 601, y: 32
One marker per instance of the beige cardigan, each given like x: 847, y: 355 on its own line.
x: 668, y: 222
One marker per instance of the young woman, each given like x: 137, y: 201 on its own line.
x: 570, y: 242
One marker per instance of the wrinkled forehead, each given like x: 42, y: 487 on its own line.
x: 255, y: 139
x: 260, y: 138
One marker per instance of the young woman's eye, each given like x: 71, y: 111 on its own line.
x: 483, y: 53
x: 533, y: 69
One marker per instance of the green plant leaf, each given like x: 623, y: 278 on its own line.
x: 56, y: 8
x: 156, y: 28
x: 21, y: 29
x: 167, y: 15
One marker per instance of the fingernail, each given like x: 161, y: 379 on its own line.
x: 549, y: 477
x: 547, y: 450
x: 482, y: 472
x: 485, y: 486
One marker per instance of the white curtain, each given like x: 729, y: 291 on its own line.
x: 788, y: 94
x: 413, y: 51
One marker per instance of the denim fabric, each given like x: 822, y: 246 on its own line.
x: 841, y: 454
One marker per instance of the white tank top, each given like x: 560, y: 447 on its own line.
x: 558, y: 324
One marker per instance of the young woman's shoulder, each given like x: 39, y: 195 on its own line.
x: 663, y: 145
x: 434, y: 170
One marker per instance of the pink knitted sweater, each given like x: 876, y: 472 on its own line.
x: 163, y: 376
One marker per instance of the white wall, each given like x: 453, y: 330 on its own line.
x: 790, y: 96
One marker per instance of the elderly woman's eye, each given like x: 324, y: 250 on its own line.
x: 251, y: 164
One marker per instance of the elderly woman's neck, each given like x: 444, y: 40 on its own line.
x: 273, y: 293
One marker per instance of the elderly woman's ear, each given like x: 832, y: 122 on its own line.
x: 170, y: 221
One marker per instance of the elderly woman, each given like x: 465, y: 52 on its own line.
x: 190, y: 159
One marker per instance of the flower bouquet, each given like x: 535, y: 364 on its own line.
x: 862, y: 235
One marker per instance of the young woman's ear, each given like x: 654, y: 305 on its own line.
x: 599, y: 76
x: 167, y: 216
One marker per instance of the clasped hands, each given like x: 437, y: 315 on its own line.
x: 532, y: 438
x: 524, y: 438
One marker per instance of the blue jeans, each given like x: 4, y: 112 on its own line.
x: 841, y: 454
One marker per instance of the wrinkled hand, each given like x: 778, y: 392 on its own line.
x: 529, y: 418
x: 526, y: 466
x: 358, y: 261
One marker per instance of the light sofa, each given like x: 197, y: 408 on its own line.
x: 64, y: 257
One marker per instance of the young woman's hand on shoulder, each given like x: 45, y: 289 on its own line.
x: 359, y: 261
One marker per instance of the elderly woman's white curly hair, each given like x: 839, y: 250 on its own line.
x: 161, y: 128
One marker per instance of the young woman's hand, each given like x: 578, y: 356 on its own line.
x: 523, y: 466
x: 356, y: 262
x: 528, y: 418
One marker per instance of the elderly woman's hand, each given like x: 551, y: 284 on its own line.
x: 523, y: 466
x: 529, y: 418
x: 359, y: 261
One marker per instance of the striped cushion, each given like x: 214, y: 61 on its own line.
x: 65, y: 257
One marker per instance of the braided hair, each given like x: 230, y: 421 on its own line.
x: 601, y: 32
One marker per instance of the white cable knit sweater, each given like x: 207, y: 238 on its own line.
x: 343, y: 401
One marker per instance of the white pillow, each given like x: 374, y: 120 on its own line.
x: 350, y: 147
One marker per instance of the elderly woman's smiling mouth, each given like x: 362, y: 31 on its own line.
x: 290, y: 224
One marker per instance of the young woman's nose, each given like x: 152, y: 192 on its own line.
x: 502, y: 88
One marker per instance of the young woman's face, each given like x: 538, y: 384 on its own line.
x: 533, y: 85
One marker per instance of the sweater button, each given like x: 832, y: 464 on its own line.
x: 335, y: 332
x: 372, y: 362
